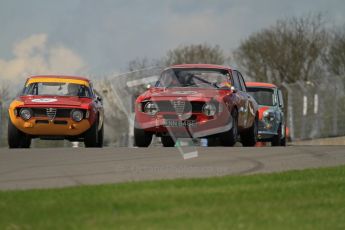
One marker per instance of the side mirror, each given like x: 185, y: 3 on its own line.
x: 100, y: 99
x: 233, y: 89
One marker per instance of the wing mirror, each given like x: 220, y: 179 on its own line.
x: 99, y: 98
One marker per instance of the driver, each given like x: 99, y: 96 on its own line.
x: 186, y: 79
x: 73, y: 89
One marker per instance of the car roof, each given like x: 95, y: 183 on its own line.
x: 260, y: 84
x: 61, y: 77
x: 206, y: 66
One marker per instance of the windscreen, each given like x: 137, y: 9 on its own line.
x: 57, y: 89
x: 262, y: 96
x: 189, y: 77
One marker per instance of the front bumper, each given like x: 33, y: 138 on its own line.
x: 204, y: 126
x: 44, y: 127
x: 267, y: 130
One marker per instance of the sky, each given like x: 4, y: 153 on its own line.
x: 102, y: 36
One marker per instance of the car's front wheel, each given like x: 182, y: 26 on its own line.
x: 142, y: 138
x: 249, y: 137
x: 16, y: 138
x: 167, y: 141
x: 100, y: 137
x: 229, y: 138
x: 91, y: 136
x: 276, y: 140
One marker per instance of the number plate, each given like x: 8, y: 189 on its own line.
x: 176, y: 123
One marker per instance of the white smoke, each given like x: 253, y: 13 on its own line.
x: 33, y: 56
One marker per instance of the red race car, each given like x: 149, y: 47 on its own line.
x: 56, y: 108
x: 197, y: 101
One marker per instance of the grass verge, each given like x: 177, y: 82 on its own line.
x: 308, y: 199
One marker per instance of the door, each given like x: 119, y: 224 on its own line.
x: 241, y: 101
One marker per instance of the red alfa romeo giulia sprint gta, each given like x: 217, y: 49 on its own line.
x: 56, y: 108
x: 197, y: 101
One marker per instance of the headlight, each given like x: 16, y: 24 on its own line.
x: 77, y: 115
x: 25, y: 114
x: 151, y: 108
x: 209, y: 109
x: 269, y: 115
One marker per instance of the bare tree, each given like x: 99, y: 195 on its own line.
x: 192, y: 54
x: 335, y: 58
x: 4, y: 92
x: 290, y: 50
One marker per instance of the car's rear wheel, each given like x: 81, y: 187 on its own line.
x: 229, y: 138
x: 91, y: 136
x: 249, y: 137
x: 142, y: 138
x: 16, y: 138
x: 277, y: 139
x: 167, y: 141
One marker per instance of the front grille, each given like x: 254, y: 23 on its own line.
x: 43, y: 112
x: 179, y: 106
x: 51, y: 113
x: 261, y: 125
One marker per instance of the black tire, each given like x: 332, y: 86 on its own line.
x: 16, y: 138
x: 25, y: 141
x: 283, y: 140
x: 100, y: 137
x: 91, y: 136
x: 276, y: 140
x: 168, y: 141
x: 229, y: 138
x: 142, y: 138
x: 250, y: 136
x: 212, y: 141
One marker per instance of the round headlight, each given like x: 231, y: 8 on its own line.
x: 269, y: 115
x: 77, y: 115
x: 25, y: 114
x: 209, y: 109
x: 151, y: 108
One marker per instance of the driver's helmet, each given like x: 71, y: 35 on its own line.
x: 224, y: 84
x: 185, y: 78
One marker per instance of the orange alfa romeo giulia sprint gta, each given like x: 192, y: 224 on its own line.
x: 56, y: 108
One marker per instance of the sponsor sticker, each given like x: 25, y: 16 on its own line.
x: 44, y: 100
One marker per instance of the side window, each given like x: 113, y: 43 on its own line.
x: 92, y: 93
x: 237, y: 83
x: 243, y: 85
x: 281, y: 100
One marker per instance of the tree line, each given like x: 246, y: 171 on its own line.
x: 293, y: 49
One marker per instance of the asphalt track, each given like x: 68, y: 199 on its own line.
x: 61, y: 167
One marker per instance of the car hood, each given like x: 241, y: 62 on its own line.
x: 51, y: 100
x: 184, y: 93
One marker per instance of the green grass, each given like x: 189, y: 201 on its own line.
x: 308, y: 199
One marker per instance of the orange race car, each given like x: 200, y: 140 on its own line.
x: 56, y: 108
